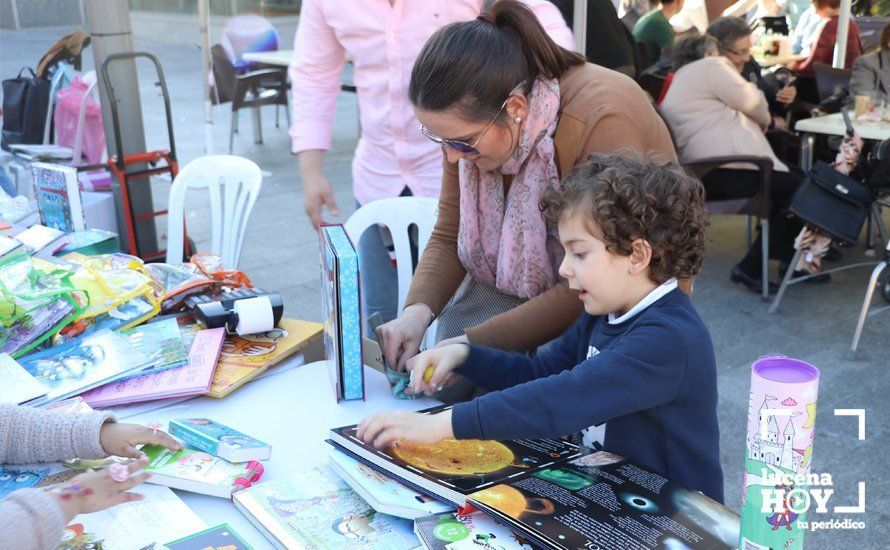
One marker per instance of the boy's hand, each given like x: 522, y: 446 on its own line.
x: 122, y: 439
x: 443, y: 360
x: 382, y: 429
x: 95, y: 490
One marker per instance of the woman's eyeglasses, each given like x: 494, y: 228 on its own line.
x: 462, y: 146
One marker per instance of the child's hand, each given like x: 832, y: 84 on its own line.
x: 443, y: 360
x: 96, y: 490
x: 121, y: 439
x: 382, y: 429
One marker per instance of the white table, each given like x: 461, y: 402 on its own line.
x: 279, y: 58
x: 833, y: 125
x: 283, y: 58
x: 292, y: 409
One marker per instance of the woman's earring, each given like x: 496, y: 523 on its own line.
x: 518, y: 120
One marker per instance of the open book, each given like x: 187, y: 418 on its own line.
x: 452, y: 469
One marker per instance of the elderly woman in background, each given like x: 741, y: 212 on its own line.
x: 871, y: 72
x: 713, y: 111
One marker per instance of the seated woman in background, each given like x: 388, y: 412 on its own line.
x: 871, y: 72
x: 733, y: 36
x: 826, y: 35
x: 715, y: 112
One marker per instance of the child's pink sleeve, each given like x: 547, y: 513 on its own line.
x: 34, y: 435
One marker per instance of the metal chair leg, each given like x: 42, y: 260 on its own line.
x: 748, y: 228
x: 257, y: 125
x: 866, y: 305
x: 232, y: 129
x: 787, y: 277
x: 764, y: 263
x: 276, y: 116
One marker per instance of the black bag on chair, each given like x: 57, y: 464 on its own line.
x: 832, y: 202
x: 25, y: 106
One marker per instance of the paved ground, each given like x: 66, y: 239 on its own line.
x: 815, y: 323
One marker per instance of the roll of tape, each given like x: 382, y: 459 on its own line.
x: 254, y: 315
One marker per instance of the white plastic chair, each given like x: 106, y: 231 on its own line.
x: 398, y: 215
x: 234, y: 184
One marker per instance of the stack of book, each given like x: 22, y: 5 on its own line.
x: 494, y: 494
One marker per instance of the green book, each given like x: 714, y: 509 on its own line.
x: 197, y: 471
x: 221, y: 536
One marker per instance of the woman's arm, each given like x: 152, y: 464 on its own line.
x: 440, y: 270
x: 739, y: 94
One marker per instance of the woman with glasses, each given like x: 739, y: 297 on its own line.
x: 513, y: 113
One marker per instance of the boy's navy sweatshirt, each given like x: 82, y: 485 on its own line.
x: 652, y: 378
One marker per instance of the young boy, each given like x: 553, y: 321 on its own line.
x: 639, y: 360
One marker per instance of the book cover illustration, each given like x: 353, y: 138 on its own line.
x: 26, y: 476
x: 602, y: 499
x: 208, y: 435
x: 16, y: 384
x: 58, y: 197
x: 192, y: 379
x: 316, y: 509
x: 82, y: 364
x: 221, y: 537
x: 38, y: 237
x: 191, y: 465
x: 246, y: 357
x: 382, y: 492
x: 464, y: 466
x: 343, y: 322
x: 161, y: 342
x: 160, y: 516
x: 469, y: 532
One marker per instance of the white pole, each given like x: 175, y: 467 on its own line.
x: 579, y: 26
x: 843, y: 30
x: 204, y: 27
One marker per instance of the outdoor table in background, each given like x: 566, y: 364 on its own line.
x: 833, y: 125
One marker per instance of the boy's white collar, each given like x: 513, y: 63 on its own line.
x: 650, y: 299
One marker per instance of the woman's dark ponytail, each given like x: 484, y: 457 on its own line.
x: 474, y: 65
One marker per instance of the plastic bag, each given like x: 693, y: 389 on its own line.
x: 202, y: 275
x: 67, y: 111
x: 121, y: 294
x: 35, y: 302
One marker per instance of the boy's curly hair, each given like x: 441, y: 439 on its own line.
x: 630, y: 199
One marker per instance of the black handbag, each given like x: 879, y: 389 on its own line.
x: 25, y: 106
x: 832, y: 202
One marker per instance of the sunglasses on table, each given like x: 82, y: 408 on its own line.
x: 462, y: 146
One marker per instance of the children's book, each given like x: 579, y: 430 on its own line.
x: 57, y: 193
x: 16, y: 384
x: 221, y: 537
x: 192, y: 379
x: 342, y: 314
x: 38, y: 237
x: 7, y: 245
x: 453, y: 469
x: 27, y: 476
x: 92, y: 242
x: 198, y: 472
x: 82, y: 364
x: 243, y: 358
x: 604, y: 501
x: 384, y: 494
x: 220, y: 440
x: 316, y: 509
x: 452, y: 531
x: 161, y: 342
x: 160, y: 516
x: 70, y: 405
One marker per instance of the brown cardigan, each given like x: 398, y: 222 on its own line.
x: 601, y: 111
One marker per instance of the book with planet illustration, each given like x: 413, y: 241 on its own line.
x: 601, y: 500
x: 451, y: 469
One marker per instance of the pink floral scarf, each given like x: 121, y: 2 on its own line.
x: 506, y: 243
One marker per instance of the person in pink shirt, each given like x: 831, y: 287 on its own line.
x: 382, y: 38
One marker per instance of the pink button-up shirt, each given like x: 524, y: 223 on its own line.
x: 382, y: 38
